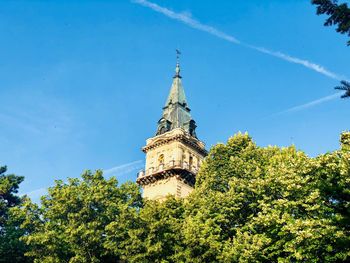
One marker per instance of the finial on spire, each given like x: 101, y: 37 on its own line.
x: 178, y: 53
x: 177, y: 69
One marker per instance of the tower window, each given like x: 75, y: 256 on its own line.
x: 161, y: 159
x: 190, y: 162
x: 162, y: 130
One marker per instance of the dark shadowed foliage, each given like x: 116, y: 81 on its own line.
x: 338, y: 14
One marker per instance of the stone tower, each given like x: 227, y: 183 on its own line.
x: 174, y: 154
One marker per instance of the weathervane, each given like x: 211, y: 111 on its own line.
x: 178, y: 53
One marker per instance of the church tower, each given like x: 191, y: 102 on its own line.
x: 174, y: 154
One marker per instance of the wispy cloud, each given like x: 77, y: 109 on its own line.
x: 189, y: 21
x: 303, y: 62
x: 116, y: 171
x: 35, y: 111
x: 9, y: 119
x: 310, y: 104
x: 124, y: 168
x: 36, y: 194
x: 37, y: 118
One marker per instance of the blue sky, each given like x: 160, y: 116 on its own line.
x: 82, y: 83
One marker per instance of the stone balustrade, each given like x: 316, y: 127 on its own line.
x: 168, y: 166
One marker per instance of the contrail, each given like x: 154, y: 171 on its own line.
x: 124, y: 168
x: 314, y: 102
x: 309, y: 104
x: 303, y: 62
x: 186, y: 19
x: 114, y: 171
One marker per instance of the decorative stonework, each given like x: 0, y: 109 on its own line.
x: 175, y: 135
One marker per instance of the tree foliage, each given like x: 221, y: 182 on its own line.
x: 345, y: 85
x: 11, y: 248
x: 9, y: 185
x: 71, y: 223
x: 250, y: 204
x: 255, y: 204
x: 339, y: 14
x: 156, y: 235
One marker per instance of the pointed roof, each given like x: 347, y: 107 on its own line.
x: 177, y: 93
x: 176, y: 113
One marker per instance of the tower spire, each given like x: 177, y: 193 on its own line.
x: 177, y: 69
x: 176, y: 113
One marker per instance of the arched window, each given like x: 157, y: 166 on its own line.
x: 161, y: 159
x: 162, y: 130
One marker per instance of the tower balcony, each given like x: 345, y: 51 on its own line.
x: 180, y: 168
x: 171, y: 165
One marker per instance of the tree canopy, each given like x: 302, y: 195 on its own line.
x: 72, y: 222
x: 339, y: 14
x: 255, y: 204
x: 345, y: 86
x: 250, y: 204
x: 11, y: 248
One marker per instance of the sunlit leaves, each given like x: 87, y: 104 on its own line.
x: 269, y: 204
x: 71, y: 225
x: 250, y: 204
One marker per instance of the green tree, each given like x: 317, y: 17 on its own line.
x: 11, y: 248
x: 255, y: 204
x: 155, y: 236
x: 339, y: 14
x: 70, y: 225
x: 345, y: 141
x: 250, y: 204
x: 346, y: 87
x: 333, y: 174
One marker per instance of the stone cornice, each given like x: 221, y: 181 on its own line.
x: 194, y: 143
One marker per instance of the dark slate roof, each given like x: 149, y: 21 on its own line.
x: 176, y: 113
